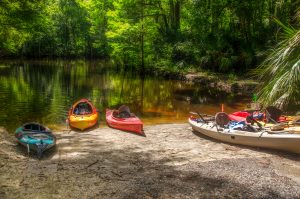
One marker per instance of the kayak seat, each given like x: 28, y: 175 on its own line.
x: 124, y: 108
x: 83, y: 108
x: 124, y: 112
x: 273, y: 114
x: 222, y: 119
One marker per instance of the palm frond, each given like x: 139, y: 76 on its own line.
x: 280, y: 72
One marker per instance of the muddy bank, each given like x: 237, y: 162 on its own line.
x: 245, y: 87
x: 170, y: 162
x: 238, y: 87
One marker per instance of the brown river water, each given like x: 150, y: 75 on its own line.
x: 43, y: 91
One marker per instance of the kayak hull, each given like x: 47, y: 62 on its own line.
x: 132, y: 124
x: 36, y: 148
x: 83, y: 122
x: 279, y: 141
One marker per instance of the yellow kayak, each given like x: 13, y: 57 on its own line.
x: 83, y: 115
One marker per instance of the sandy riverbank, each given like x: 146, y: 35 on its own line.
x: 170, y: 162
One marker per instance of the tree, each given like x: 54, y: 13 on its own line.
x: 175, y: 35
x: 131, y: 32
x: 18, y: 20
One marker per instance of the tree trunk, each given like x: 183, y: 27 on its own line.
x: 142, y: 40
x: 177, y: 15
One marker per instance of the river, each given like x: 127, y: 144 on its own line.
x: 43, y: 91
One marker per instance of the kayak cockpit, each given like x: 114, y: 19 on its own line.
x: 83, y: 108
x: 35, y: 127
x: 123, y: 112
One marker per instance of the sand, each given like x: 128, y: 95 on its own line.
x: 171, y: 161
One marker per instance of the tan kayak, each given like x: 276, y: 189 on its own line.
x: 281, y: 140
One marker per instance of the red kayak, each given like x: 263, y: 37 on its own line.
x: 238, y: 116
x: 125, y: 121
x: 242, y: 115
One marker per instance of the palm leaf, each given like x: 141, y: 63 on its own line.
x: 280, y: 71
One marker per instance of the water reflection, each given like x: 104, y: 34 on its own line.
x: 43, y: 91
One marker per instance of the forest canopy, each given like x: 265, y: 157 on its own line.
x: 220, y: 35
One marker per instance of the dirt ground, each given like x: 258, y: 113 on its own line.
x: 171, y: 161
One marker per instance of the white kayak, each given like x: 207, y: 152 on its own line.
x: 284, y: 141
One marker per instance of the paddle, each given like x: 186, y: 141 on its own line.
x: 202, y: 116
x: 199, y: 114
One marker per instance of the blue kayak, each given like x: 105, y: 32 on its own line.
x: 35, y: 137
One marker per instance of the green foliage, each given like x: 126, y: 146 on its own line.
x: 229, y: 33
x: 220, y: 35
x: 17, y: 19
x: 64, y: 28
x: 280, y: 72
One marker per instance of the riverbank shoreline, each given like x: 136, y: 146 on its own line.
x: 223, y: 82
x: 170, y: 161
x: 229, y: 83
x: 238, y: 87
